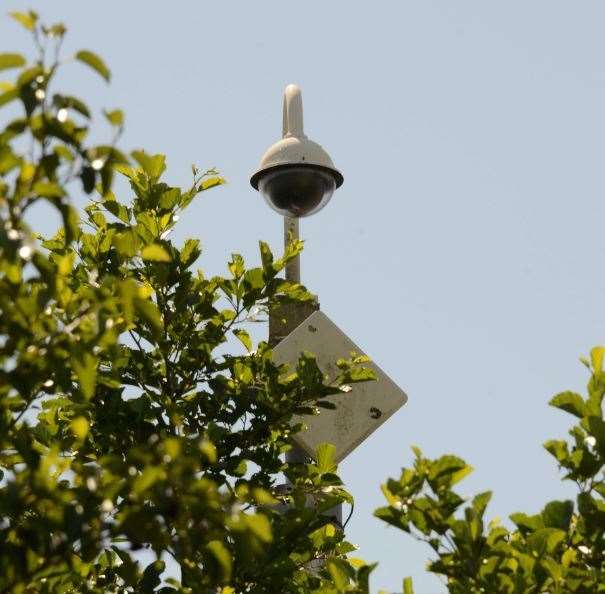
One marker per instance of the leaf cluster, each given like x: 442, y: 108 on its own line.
x: 559, y: 550
x: 125, y: 424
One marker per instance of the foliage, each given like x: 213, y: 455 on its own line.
x: 125, y: 425
x: 559, y: 550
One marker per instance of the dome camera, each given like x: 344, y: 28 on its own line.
x: 297, y: 190
x: 296, y: 176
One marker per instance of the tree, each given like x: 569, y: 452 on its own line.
x: 559, y: 550
x: 124, y: 424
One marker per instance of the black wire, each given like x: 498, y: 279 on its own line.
x: 350, y: 515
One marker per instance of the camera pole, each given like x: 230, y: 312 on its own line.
x: 287, y: 316
x: 292, y: 233
x: 295, y: 311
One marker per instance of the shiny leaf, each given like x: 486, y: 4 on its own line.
x: 95, y: 62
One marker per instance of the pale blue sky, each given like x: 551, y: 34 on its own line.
x: 463, y: 252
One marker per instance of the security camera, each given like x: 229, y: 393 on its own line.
x: 296, y: 176
x: 297, y: 190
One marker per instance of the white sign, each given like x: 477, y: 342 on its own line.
x: 358, y: 412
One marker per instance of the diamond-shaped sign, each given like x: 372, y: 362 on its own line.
x: 359, y: 412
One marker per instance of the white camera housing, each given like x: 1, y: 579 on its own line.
x: 296, y: 175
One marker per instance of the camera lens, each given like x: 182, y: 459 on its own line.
x: 297, y: 191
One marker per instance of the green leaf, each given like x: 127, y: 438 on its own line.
x: 152, y: 165
x: 558, y: 514
x: 481, y: 501
x: 211, y: 182
x: 85, y: 367
x: 57, y: 30
x: 8, y: 160
x: 63, y: 152
x: 238, y: 469
x: 126, y: 243
x: 242, y: 372
x: 190, y: 252
x: 253, y: 279
x: 118, y: 210
x: 359, y: 374
x: 266, y: 257
x: 340, y: 572
x: 29, y: 75
x: 71, y: 221
x: 95, y: 62
x: 144, y: 481
x: 259, y: 525
x: 596, y: 358
x: 148, y: 311
x: 115, y: 117
x: 155, y: 253
x: 236, y: 266
x: 545, y: 540
x: 87, y: 176
x: 170, y: 198
x: 74, y: 103
x: 27, y: 20
x: 570, y: 402
x: 9, y: 96
x: 527, y: 523
x: 11, y: 61
x: 127, y: 569
x: 596, y: 426
x: 208, y: 449
x: 447, y: 471
x: 408, y: 588
x: 325, y: 458
x: 151, y: 577
x: 80, y: 427
x: 222, y: 555
x: 48, y: 190
x: 363, y: 576
x: 396, y: 518
x: 557, y: 448
x: 244, y: 338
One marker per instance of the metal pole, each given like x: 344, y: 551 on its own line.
x: 292, y: 233
x: 294, y: 316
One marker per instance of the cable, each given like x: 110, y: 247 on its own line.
x: 350, y: 515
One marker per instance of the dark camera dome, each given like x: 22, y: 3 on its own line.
x: 297, y: 190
